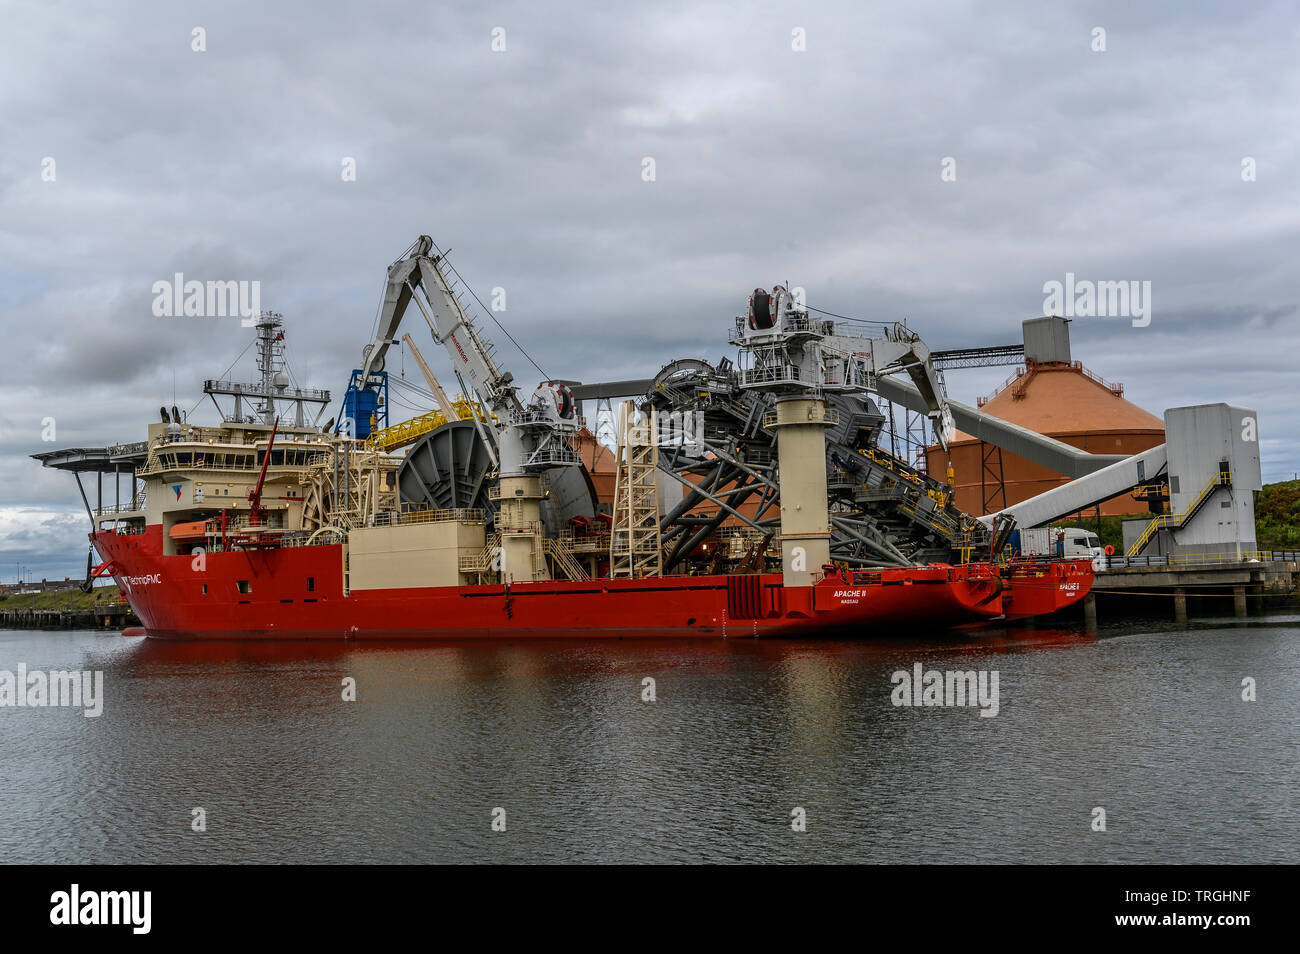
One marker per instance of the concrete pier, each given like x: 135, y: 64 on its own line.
x: 1090, y: 612
x: 1217, y: 582
x: 110, y: 616
x: 1180, y: 605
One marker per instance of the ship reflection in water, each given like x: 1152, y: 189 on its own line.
x: 1148, y: 724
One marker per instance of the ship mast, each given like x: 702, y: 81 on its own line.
x: 273, y: 388
x: 270, y: 361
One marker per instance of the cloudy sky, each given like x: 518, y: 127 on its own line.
x: 822, y: 166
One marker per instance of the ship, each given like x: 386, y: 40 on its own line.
x: 478, y: 518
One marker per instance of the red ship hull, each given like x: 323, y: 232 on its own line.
x: 1039, y: 587
x: 297, y: 593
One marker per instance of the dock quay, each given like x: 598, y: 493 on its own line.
x: 111, y: 616
x: 1207, y: 576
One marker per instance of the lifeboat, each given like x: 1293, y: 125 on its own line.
x: 189, y: 532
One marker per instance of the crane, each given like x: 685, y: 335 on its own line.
x: 527, y: 438
x: 439, y: 395
x: 255, y: 495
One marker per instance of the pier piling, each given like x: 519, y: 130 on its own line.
x: 1180, y: 606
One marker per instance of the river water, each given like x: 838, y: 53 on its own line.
x: 556, y: 740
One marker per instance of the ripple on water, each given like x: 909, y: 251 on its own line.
x: 1146, y: 723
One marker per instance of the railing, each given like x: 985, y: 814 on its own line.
x: 557, y: 452
x: 196, y: 435
x: 1036, y: 567
x: 533, y: 529
x: 128, y: 450
x: 1149, y: 491
x: 980, y: 402
x: 256, y: 390
x: 1220, y: 558
x: 792, y: 323
x: 893, y: 465
x: 238, y: 522
x: 565, y: 560
x: 854, y: 376
x: 408, y: 432
x: 220, y: 437
x: 1175, y: 520
x: 134, y: 506
x: 937, y: 520
x: 830, y: 416
x: 779, y: 373
x: 531, y: 416
x: 485, y: 559
x: 297, y: 538
x: 206, y: 454
x: 587, y: 543
x: 389, y: 518
x: 1115, y: 389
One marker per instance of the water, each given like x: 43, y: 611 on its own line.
x: 1145, y: 721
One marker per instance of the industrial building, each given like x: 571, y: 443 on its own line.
x: 1053, y: 395
x: 1213, y: 472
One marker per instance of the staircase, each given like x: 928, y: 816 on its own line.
x: 565, y: 560
x: 1172, y: 521
x: 485, y: 560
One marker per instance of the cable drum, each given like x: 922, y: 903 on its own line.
x: 761, y: 315
x: 450, y: 469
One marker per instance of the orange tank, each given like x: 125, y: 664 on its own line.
x: 1058, y: 399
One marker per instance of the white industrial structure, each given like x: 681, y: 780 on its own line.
x: 800, y: 361
x: 525, y: 440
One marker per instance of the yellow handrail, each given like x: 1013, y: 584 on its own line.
x: 408, y: 432
x: 1175, y: 520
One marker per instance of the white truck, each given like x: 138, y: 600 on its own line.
x: 1058, y: 543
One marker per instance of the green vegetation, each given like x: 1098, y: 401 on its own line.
x: 60, y: 599
x: 1277, y: 516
